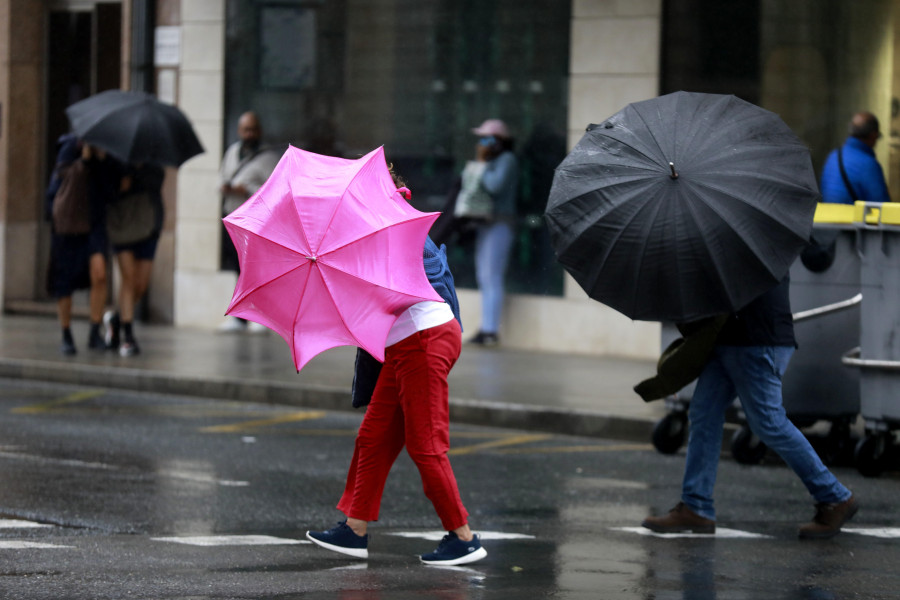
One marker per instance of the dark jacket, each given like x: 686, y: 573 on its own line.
x: 766, y: 321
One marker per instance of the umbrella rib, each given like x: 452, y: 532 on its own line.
x: 337, y: 307
x: 742, y: 240
x: 263, y: 284
x: 743, y: 202
x: 299, y: 304
x: 337, y: 204
x: 715, y: 258
x: 656, y: 207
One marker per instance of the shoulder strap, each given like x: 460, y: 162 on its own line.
x: 846, y: 179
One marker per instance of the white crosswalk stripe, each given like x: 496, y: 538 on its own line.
x: 880, y: 532
x: 721, y: 532
x: 230, y: 540
x: 23, y: 545
x: 20, y: 524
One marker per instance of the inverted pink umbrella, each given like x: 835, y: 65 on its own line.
x: 330, y: 253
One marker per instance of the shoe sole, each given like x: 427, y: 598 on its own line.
x: 354, y: 552
x: 705, y: 530
x: 827, y: 535
x: 462, y: 560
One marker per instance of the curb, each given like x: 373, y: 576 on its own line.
x: 462, y: 410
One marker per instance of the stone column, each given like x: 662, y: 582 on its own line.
x: 21, y: 123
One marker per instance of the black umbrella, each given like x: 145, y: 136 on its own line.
x: 135, y: 127
x: 682, y: 206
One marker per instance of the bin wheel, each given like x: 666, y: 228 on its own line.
x: 670, y: 432
x: 871, y: 455
x: 746, y: 448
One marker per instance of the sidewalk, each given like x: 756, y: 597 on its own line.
x: 499, y: 387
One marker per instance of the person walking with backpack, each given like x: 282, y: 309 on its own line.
x: 82, y: 182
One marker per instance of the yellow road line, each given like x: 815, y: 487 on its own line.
x: 244, y: 425
x: 54, y: 404
x: 506, y: 441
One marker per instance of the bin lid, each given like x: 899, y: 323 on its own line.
x: 827, y: 212
x: 890, y: 213
x: 887, y: 213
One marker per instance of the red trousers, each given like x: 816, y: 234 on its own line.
x: 410, y: 406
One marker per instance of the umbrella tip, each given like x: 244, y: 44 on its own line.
x: 674, y: 175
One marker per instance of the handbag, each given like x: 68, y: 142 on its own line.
x: 131, y: 219
x: 473, y: 200
x: 71, y: 204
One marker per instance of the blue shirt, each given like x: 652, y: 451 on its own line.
x: 863, y: 171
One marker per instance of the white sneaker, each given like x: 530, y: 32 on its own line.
x: 231, y: 325
x: 253, y: 327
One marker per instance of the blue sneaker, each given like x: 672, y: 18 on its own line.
x: 341, y: 539
x: 453, y: 551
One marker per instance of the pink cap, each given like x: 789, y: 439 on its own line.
x: 494, y: 127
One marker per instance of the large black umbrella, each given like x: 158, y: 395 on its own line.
x: 135, y: 127
x: 682, y: 206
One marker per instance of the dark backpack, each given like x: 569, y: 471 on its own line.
x: 71, y: 204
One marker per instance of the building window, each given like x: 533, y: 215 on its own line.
x: 414, y: 77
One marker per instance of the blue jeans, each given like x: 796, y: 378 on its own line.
x: 753, y: 373
x: 492, y: 246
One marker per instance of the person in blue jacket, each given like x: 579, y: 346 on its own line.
x: 852, y: 172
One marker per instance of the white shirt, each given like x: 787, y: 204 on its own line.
x: 419, y: 317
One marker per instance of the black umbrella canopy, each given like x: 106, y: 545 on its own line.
x: 683, y: 206
x: 135, y: 127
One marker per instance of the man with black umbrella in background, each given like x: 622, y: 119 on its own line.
x: 245, y: 168
x: 748, y: 360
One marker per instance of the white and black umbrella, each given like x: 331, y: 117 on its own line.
x: 683, y: 206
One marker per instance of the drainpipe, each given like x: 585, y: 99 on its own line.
x: 142, y: 24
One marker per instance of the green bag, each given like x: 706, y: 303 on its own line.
x: 131, y: 219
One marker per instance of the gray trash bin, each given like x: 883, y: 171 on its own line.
x: 825, y: 288
x: 878, y: 356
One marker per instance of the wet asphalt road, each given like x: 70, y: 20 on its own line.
x: 131, y: 495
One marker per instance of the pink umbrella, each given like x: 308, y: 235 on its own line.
x: 330, y: 253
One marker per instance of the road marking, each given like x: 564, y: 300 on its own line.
x: 880, y: 532
x: 721, y: 532
x: 66, y: 462
x: 53, y: 404
x: 230, y: 540
x: 591, y: 448
x: 436, y: 536
x: 20, y: 524
x: 171, y: 473
x: 19, y: 545
x: 305, y: 415
x: 505, y: 441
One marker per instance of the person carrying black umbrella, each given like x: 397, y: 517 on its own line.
x: 748, y: 360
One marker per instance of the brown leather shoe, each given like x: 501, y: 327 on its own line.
x: 828, y: 519
x: 680, y: 519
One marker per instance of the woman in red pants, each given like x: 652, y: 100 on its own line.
x: 410, y: 406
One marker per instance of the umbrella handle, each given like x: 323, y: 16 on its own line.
x: 404, y: 191
x: 674, y: 175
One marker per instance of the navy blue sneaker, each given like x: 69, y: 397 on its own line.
x: 453, y: 551
x: 341, y: 539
